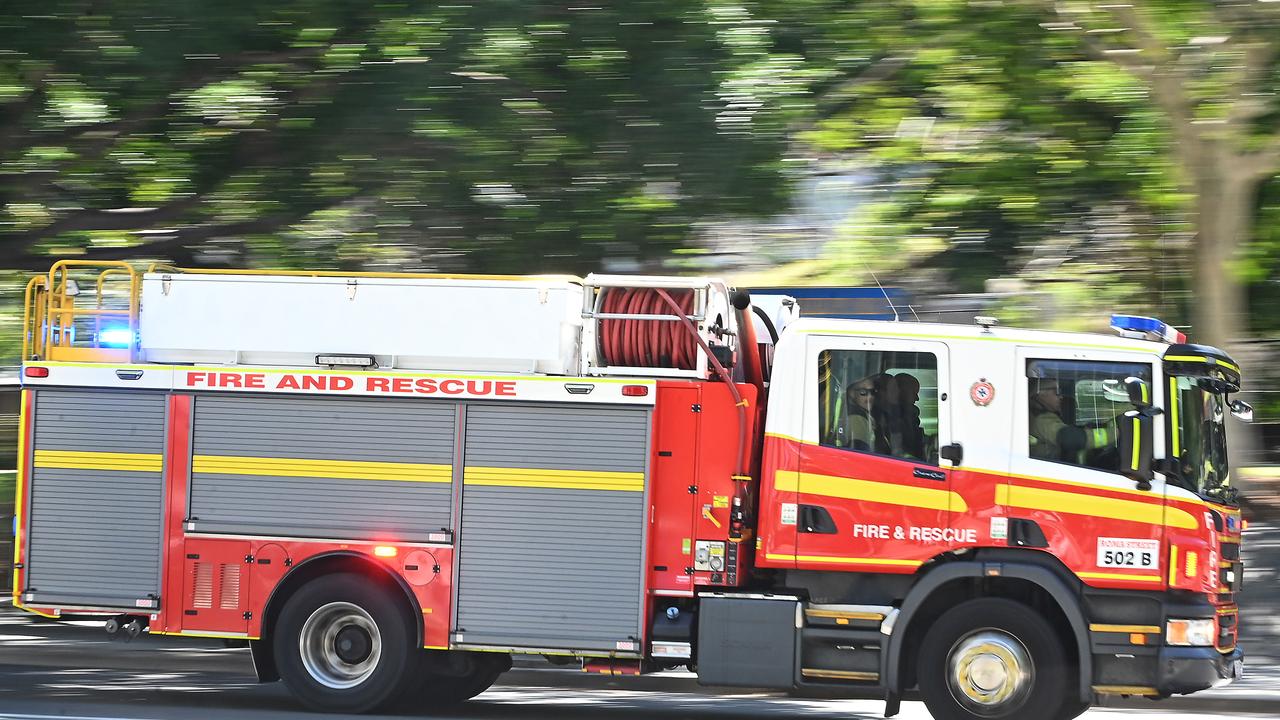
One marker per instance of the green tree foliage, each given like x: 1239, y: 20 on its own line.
x: 499, y: 136
x: 1015, y: 135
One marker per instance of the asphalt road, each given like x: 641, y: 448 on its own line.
x: 70, y: 670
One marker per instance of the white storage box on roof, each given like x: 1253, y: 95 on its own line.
x: 527, y: 325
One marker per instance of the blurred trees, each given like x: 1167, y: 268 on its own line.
x: 1129, y: 141
x: 1132, y: 138
x: 503, y: 136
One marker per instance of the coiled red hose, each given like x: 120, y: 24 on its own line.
x: 662, y: 344
x: 646, y: 343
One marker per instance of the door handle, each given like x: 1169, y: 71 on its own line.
x: 816, y: 519
x: 953, y: 452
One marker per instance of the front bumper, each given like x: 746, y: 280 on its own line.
x: 1184, y: 670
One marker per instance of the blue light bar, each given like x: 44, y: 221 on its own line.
x: 115, y: 338
x: 1146, y: 328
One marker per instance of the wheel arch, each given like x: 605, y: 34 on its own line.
x: 316, y: 567
x: 1007, y: 574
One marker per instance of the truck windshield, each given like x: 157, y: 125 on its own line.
x: 1197, y: 419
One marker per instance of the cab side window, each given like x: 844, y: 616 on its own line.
x: 1074, y: 408
x: 879, y: 402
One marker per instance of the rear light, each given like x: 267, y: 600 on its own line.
x: 36, y: 372
x: 635, y: 390
x: 385, y: 551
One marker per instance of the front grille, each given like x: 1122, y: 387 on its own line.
x: 1230, y: 551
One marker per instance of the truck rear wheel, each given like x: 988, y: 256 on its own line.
x: 343, y: 645
x: 991, y: 659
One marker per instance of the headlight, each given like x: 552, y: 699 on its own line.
x: 1190, y: 632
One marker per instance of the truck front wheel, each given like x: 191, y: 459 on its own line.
x: 342, y: 644
x: 991, y: 659
x: 450, y: 678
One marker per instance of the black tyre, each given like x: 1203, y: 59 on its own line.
x: 993, y: 659
x: 344, y: 644
x: 1073, y: 708
x: 466, y: 677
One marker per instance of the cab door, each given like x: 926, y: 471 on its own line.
x: 871, y: 491
x: 1066, y: 476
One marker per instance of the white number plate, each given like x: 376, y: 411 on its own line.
x: 1129, y: 553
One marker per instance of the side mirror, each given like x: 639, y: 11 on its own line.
x: 1139, y: 392
x: 1135, y: 446
x: 1242, y: 410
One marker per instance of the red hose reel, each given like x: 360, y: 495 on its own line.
x: 646, y: 343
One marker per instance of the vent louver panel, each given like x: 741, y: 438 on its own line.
x: 202, y: 586
x: 229, y: 587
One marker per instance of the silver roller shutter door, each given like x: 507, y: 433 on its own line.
x: 348, y: 451
x: 96, y: 533
x: 552, y: 567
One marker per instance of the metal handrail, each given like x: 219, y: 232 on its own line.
x: 32, y: 317
x: 161, y: 267
x: 49, y: 309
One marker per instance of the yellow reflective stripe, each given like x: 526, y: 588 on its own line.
x: 1173, y: 564
x: 210, y: 634
x: 1199, y: 359
x: 1144, y: 629
x: 788, y: 438
x: 1118, y: 346
x: 1126, y: 690
x: 1137, y: 444
x: 1173, y: 417
x: 844, y: 560
x: 76, y: 460
x: 1094, y: 506
x: 845, y: 614
x: 336, y: 469
x: 869, y: 491
x: 554, y: 479
x: 1118, y: 576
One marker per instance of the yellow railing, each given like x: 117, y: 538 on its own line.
x: 51, y: 311
x: 161, y: 267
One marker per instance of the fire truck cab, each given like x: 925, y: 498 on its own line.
x: 390, y: 484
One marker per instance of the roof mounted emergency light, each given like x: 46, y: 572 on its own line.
x: 116, y: 337
x: 1145, y: 328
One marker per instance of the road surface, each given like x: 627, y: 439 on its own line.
x: 71, y: 670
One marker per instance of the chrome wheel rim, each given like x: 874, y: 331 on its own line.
x: 989, y: 672
x: 340, y: 645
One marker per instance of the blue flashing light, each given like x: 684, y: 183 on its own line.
x: 115, y: 338
x: 1137, y: 326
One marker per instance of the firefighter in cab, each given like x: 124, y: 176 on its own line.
x: 1052, y: 437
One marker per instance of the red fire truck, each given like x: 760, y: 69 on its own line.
x: 390, y: 484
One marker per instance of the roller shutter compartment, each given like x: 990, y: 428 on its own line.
x: 552, y: 532
x: 345, y: 468
x: 96, y: 499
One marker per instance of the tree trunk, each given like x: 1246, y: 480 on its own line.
x: 1225, y: 199
x: 1225, y: 203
